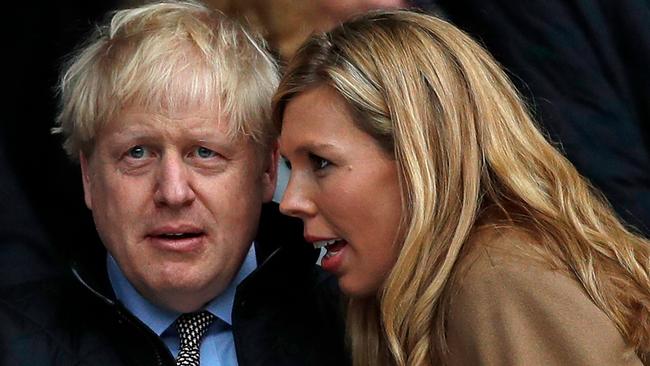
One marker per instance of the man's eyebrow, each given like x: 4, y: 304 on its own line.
x: 133, y: 134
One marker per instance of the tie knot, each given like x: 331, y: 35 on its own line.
x: 192, y: 326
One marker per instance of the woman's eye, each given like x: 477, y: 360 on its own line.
x: 137, y: 152
x: 286, y: 163
x: 318, y: 162
x: 204, y: 152
x: 322, y: 163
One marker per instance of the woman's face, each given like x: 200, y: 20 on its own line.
x: 344, y: 187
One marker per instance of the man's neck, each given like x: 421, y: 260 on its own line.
x: 159, y: 318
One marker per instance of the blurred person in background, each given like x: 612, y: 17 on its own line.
x: 582, y: 65
x: 26, y: 253
x: 40, y: 189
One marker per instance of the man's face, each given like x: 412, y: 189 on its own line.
x: 176, y: 202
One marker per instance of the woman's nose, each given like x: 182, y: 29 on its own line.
x: 297, y: 200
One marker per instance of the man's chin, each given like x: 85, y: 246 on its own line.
x: 181, y: 294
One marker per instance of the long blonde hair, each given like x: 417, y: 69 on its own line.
x: 464, y: 144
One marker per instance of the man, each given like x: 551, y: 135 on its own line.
x: 166, y: 107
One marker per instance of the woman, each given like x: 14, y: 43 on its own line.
x: 461, y: 236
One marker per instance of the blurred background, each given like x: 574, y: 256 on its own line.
x: 581, y: 66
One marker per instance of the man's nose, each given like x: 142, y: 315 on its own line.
x: 173, y: 183
x: 297, y: 200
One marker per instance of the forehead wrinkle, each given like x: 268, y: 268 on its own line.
x: 142, y: 125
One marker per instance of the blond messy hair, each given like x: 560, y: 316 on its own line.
x: 166, y: 57
x: 464, y: 145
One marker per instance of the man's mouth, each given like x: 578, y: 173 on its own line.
x: 183, y: 238
x: 178, y: 231
x: 181, y: 235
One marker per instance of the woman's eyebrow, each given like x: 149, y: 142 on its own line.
x: 320, y: 146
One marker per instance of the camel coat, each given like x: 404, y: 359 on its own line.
x: 511, y: 308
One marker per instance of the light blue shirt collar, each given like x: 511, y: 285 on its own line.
x: 160, y: 319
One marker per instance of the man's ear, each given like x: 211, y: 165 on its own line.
x: 270, y: 174
x: 85, y: 178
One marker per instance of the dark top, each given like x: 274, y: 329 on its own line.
x: 25, y: 250
x: 583, y: 66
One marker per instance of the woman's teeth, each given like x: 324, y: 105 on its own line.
x: 332, y: 252
x: 323, y: 243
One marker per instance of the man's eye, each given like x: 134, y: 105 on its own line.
x: 204, y: 152
x: 137, y: 152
